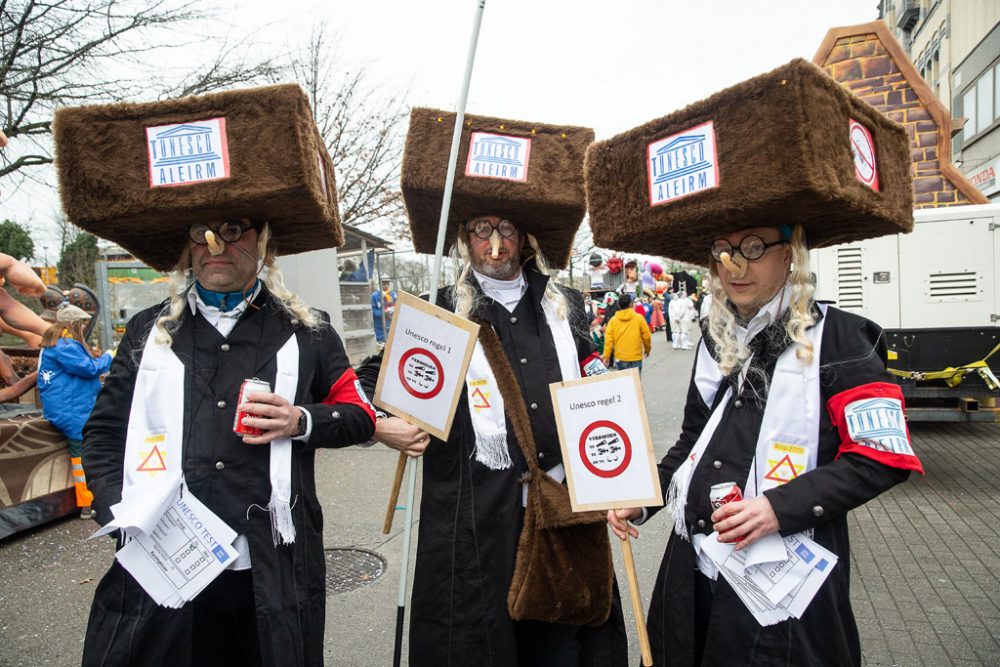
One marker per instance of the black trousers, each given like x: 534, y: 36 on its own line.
x: 704, y: 594
x: 548, y: 644
x: 224, y: 626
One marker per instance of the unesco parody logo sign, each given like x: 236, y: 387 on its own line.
x: 498, y: 156
x: 187, y: 153
x: 682, y: 164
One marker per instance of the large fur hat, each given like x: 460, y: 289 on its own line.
x: 790, y: 146
x: 529, y: 173
x: 141, y: 174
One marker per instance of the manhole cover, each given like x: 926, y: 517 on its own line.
x: 347, y: 569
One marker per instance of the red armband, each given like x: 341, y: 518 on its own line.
x: 872, y: 423
x: 593, y: 365
x: 347, y: 390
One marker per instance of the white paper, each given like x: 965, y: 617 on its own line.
x: 426, y: 361
x: 188, y: 548
x: 821, y: 564
x: 773, y: 589
x: 142, y: 506
x: 768, y: 549
x: 605, y: 448
x: 732, y: 566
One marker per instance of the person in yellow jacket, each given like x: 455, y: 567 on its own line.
x: 627, y: 337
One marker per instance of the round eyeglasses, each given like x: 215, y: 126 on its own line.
x: 483, y: 228
x: 751, y: 247
x: 229, y: 231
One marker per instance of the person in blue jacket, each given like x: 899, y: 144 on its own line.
x: 68, y: 382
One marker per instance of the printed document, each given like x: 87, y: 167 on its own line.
x: 181, y: 553
x: 774, y: 583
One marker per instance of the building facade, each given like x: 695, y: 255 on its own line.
x: 955, y: 47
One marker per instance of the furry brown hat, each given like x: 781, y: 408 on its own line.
x: 141, y: 174
x: 529, y: 173
x: 790, y: 146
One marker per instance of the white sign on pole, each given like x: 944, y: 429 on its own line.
x: 606, y: 444
x: 423, y: 368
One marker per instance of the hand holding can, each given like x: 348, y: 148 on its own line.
x: 248, y: 387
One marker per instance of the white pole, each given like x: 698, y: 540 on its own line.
x: 411, y: 465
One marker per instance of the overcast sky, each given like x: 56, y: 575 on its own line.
x: 610, y: 64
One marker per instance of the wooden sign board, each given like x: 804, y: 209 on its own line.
x: 424, y: 364
x: 606, y: 444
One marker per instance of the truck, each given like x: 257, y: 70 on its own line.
x: 936, y: 294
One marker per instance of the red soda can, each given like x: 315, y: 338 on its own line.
x: 720, y: 494
x: 248, y: 387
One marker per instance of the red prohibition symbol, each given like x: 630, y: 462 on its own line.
x: 605, y: 449
x: 421, y: 373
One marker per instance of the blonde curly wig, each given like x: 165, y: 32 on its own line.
x: 466, y: 299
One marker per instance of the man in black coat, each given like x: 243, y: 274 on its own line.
x: 226, y: 326
x: 839, y: 422
x: 471, y: 511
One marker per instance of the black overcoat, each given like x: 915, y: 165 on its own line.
x: 471, y: 516
x: 126, y: 627
x: 852, y: 353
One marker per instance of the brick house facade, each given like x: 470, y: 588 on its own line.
x: 867, y: 60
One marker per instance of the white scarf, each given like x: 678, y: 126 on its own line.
x: 486, y: 405
x: 791, y: 418
x: 154, y: 440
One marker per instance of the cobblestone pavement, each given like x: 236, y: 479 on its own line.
x: 926, y: 555
x: 925, y: 561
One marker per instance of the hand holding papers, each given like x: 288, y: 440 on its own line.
x: 775, y: 577
x: 175, y: 549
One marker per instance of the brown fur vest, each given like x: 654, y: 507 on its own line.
x: 563, y: 571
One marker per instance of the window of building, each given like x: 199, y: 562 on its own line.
x: 981, y: 103
x: 984, y: 101
x: 969, y: 108
x: 996, y: 91
x: 936, y: 72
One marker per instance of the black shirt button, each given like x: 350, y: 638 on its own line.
x: 717, y: 465
x: 738, y: 403
x: 541, y: 455
x: 524, y: 362
x: 221, y: 404
x: 513, y: 320
x: 701, y: 523
x: 224, y: 347
x: 534, y: 406
x: 219, y: 465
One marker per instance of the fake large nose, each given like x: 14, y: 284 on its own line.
x: 495, y: 242
x: 215, y: 246
x: 736, y: 265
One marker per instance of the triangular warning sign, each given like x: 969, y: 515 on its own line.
x: 153, y: 462
x: 480, y: 399
x: 783, y: 471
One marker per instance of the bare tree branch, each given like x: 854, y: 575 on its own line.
x: 362, y: 130
x: 58, y: 52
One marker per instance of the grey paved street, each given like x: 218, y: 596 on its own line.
x: 926, y: 556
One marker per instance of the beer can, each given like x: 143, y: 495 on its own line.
x: 726, y: 492
x: 251, y: 386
